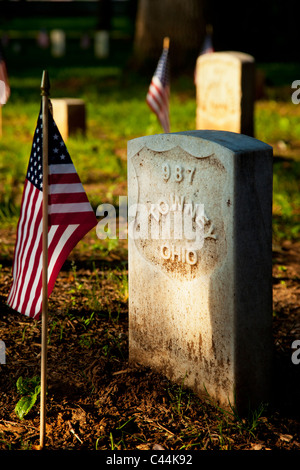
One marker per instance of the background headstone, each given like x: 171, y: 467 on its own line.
x: 58, y: 42
x: 69, y: 115
x: 201, y: 311
x: 102, y: 44
x: 225, y: 92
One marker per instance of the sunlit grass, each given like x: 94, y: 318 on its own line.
x: 286, y: 199
x: 277, y: 121
x: 117, y: 112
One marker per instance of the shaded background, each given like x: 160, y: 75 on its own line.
x: 266, y: 29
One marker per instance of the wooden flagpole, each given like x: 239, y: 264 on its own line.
x: 45, y: 87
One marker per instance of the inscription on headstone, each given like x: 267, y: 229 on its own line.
x: 225, y: 89
x: 102, y: 44
x: 200, y: 285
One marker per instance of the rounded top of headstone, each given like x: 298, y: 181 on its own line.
x: 189, y: 140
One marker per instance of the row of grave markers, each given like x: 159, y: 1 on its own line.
x: 57, y: 40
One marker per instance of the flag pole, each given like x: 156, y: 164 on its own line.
x: 45, y: 87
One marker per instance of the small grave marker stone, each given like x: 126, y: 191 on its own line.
x: 69, y: 115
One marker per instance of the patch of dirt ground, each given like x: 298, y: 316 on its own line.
x: 97, y: 401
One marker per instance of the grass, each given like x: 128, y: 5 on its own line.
x: 116, y: 113
x: 277, y: 121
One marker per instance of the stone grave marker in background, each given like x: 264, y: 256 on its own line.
x: 200, y: 261
x: 69, y: 115
x: 225, y: 92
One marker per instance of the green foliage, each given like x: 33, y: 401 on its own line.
x: 179, y: 397
x: 250, y: 422
x: 30, y: 390
x: 277, y: 121
x: 116, y: 112
x: 286, y: 199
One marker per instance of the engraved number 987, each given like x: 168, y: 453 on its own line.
x: 178, y: 173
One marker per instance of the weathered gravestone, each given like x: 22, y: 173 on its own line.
x: 200, y: 268
x: 225, y: 92
x: 69, y: 115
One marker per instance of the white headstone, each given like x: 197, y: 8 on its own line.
x: 225, y: 92
x: 102, y: 44
x: 69, y: 115
x: 58, y: 42
x: 200, y: 261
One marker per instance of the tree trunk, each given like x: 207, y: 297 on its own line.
x: 181, y: 20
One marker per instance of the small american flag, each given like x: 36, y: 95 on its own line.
x: 159, y: 90
x: 4, y: 84
x: 70, y: 217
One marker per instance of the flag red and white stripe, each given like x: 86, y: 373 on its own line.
x: 159, y: 91
x: 70, y: 218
